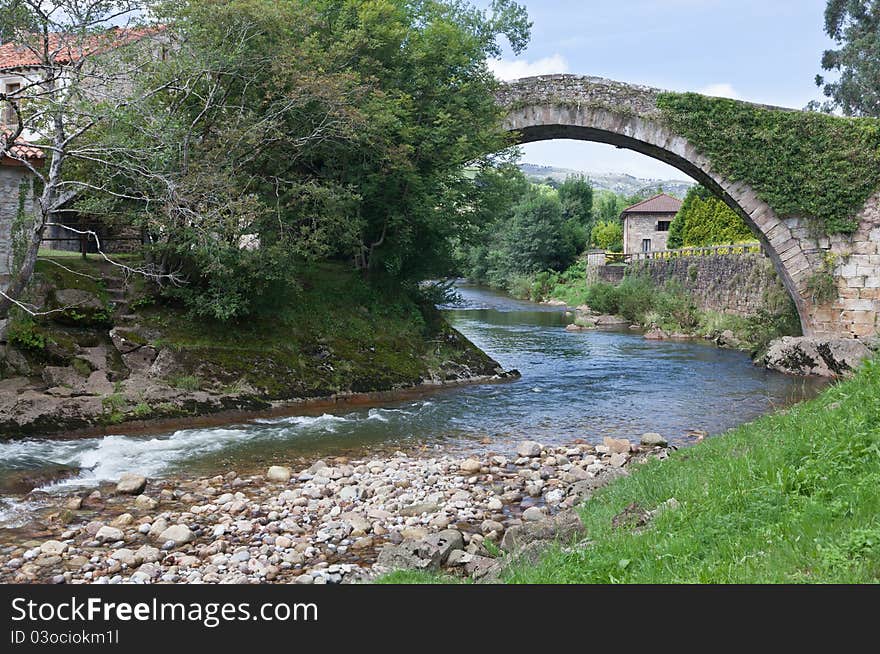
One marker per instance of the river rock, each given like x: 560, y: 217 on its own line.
x: 815, y: 356
x: 617, y: 445
x: 109, y: 534
x: 55, y: 377
x: 652, y: 439
x: 147, y: 554
x: 564, y: 526
x: 444, y: 542
x: 533, y: 514
x: 124, y: 555
x: 488, y: 526
x: 179, y: 534
x: 529, y: 449
x: 131, y: 484
x: 611, y: 321
x: 53, y: 548
x: 20, y: 482
x: 470, y: 466
x: 656, y: 334
x: 279, y: 474
x: 409, y: 556
x: 146, y: 502
x: 356, y: 521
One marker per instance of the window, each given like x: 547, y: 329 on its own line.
x: 663, y: 225
x: 9, y: 115
x: 646, y: 245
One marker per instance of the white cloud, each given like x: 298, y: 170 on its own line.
x: 510, y: 69
x: 723, y: 90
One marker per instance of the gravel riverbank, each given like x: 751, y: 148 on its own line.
x: 336, y: 521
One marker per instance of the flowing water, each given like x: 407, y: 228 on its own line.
x: 574, y: 385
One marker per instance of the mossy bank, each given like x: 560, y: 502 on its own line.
x: 109, y: 352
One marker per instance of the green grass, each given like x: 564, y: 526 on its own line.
x: 791, y: 498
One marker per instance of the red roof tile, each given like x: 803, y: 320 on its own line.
x: 658, y: 204
x: 23, y: 150
x: 13, y: 55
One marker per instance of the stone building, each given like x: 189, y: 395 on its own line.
x: 16, y: 194
x: 646, y: 224
x: 23, y: 75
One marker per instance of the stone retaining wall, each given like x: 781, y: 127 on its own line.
x: 741, y: 284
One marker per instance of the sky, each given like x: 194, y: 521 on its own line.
x: 764, y: 51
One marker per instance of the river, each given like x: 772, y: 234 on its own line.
x: 574, y: 385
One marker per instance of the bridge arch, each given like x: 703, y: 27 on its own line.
x: 627, y: 116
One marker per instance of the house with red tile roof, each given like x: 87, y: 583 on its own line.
x: 23, y: 66
x: 646, y: 224
x: 25, y: 75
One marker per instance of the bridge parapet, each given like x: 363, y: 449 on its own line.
x: 581, y: 91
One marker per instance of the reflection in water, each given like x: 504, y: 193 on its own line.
x: 574, y: 385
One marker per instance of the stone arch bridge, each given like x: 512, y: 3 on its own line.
x: 627, y: 116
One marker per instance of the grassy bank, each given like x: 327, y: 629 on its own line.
x: 793, y: 497
x: 333, y: 333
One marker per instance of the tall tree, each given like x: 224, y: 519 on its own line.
x: 855, y: 27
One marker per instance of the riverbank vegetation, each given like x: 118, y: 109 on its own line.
x: 331, y: 333
x: 789, y: 498
x: 274, y: 135
x: 704, y: 219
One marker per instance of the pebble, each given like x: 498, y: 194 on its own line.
x: 278, y: 474
x: 109, y: 534
x: 529, y: 449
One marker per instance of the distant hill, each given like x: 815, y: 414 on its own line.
x: 616, y: 182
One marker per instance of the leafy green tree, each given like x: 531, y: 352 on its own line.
x: 855, y: 27
x: 319, y: 129
x: 608, y: 207
x: 576, y: 198
x: 608, y: 235
x: 677, y: 228
x: 705, y: 220
x: 479, y: 250
x: 538, y: 237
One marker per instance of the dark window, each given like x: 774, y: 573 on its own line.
x: 646, y: 245
x: 9, y: 116
x: 663, y: 225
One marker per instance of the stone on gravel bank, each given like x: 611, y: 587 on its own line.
x: 131, y: 484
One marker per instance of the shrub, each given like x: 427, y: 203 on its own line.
x: 603, y: 298
x: 608, y: 235
x: 635, y: 298
x: 24, y: 334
